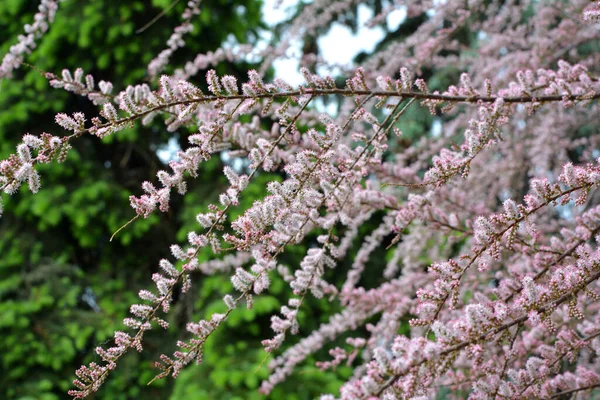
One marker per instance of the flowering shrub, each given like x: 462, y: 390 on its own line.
x: 491, y: 223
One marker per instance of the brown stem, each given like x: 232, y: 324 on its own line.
x: 555, y: 262
x: 576, y: 390
x: 549, y: 306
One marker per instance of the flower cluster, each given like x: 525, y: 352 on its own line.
x: 176, y: 41
x: 20, y: 167
x: 75, y: 83
x: 42, y: 20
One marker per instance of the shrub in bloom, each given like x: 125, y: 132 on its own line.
x: 491, y: 225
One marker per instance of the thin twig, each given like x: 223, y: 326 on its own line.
x: 159, y: 16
